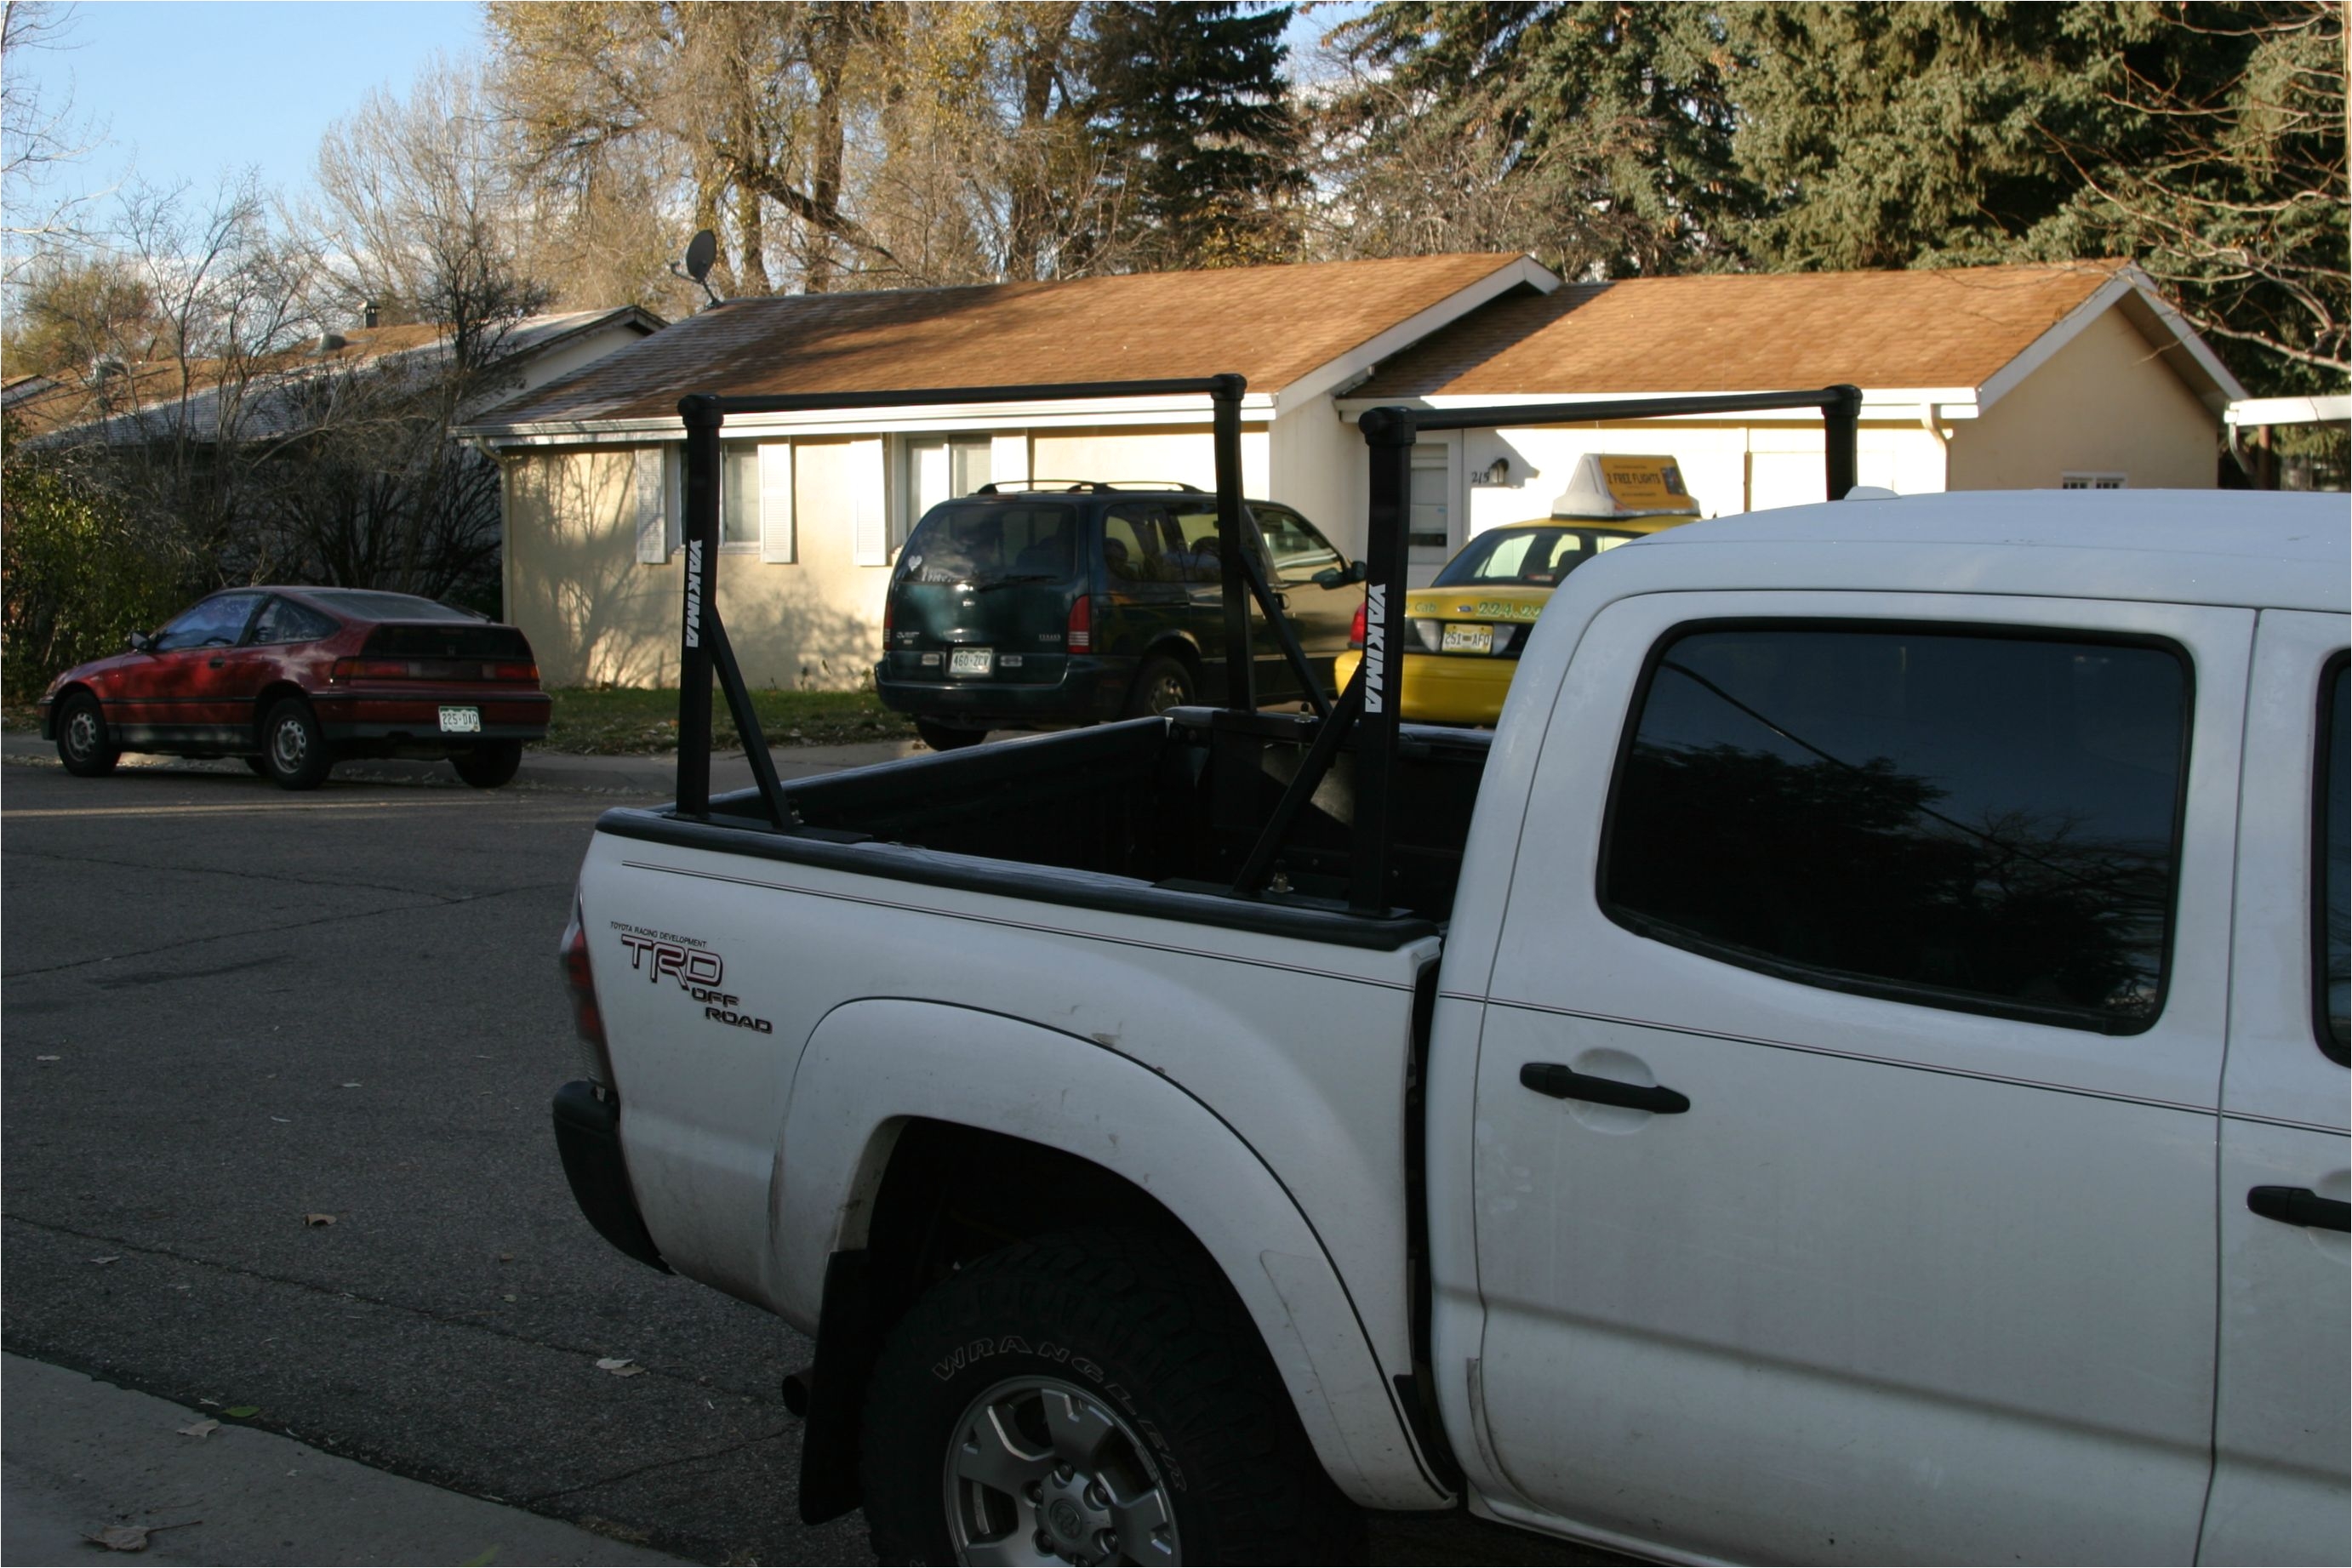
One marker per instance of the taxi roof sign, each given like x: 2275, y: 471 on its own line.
x: 1614, y: 485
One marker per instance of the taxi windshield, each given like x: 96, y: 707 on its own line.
x: 1529, y: 558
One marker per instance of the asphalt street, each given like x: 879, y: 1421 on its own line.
x: 274, y: 1132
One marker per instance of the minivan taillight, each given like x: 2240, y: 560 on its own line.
x: 1355, y: 627
x: 1081, y: 636
x: 580, y: 980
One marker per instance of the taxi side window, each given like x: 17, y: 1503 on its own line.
x: 2331, y: 882
x: 1974, y: 820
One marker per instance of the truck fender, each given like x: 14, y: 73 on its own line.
x: 871, y: 1066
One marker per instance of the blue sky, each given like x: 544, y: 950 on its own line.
x: 186, y: 91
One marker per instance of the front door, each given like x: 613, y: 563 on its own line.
x: 185, y: 694
x: 1916, y: 907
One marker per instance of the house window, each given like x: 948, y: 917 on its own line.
x: 938, y: 468
x: 738, y: 496
x: 2091, y: 481
x: 1434, y: 531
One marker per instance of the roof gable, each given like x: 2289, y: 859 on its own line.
x: 1273, y: 325
x: 1957, y: 328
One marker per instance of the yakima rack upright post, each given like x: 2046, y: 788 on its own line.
x: 1370, y: 705
x: 704, y: 650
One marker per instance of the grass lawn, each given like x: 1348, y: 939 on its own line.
x: 640, y: 723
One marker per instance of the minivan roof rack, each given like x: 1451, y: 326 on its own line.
x: 1082, y: 486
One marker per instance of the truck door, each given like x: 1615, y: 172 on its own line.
x: 1846, y: 1101
x: 2281, y: 1450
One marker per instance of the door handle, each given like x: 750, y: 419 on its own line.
x: 216, y: 662
x: 1563, y: 1082
x: 2300, y: 1205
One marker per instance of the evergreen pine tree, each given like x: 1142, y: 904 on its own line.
x: 1194, y: 114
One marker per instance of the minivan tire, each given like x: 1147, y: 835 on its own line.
x: 946, y: 737
x: 1162, y: 684
x: 1137, y: 1331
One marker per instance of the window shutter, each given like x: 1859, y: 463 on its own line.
x: 674, y: 497
x: 866, y: 483
x: 776, y: 502
x: 653, y: 527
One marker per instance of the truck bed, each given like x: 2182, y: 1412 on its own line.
x: 1145, y: 806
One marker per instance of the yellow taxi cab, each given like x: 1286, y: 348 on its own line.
x: 1464, y: 632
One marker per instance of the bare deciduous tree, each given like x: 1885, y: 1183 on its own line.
x: 38, y: 136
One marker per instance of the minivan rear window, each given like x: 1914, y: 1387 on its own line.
x: 979, y: 542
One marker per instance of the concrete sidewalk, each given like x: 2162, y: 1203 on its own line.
x: 646, y: 777
x: 78, y: 1455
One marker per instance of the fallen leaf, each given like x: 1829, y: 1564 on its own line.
x: 286, y: 1119
x: 506, y: 1298
x: 110, y: 1257
x: 317, y: 1219
x: 49, y: 1059
x: 619, y: 1366
x: 484, y: 1561
x: 132, y: 1537
x: 241, y: 1411
x: 351, y: 1085
x: 204, y: 1429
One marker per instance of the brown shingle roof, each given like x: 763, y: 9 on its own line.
x: 1745, y: 332
x: 1271, y: 324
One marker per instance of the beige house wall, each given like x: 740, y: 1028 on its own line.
x: 2102, y: 404
x: 1178, y: 453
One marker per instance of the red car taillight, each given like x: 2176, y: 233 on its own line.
x: 1355, y: 627
x: 580, y: 980
x: 370, y: 669
x: 515, y: 673
x: 1081, y: 635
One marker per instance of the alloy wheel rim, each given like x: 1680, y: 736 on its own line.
x: 81, y: 733
x: 1039, y: 1471
x: 1168, y: 693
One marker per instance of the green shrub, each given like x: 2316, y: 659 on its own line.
x: 76, y: 576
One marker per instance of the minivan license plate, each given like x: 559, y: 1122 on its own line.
x: 1466, y: 640
x: 971, y: 660
x: 461, y: 721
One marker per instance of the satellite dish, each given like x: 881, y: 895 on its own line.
x: 701, y: 251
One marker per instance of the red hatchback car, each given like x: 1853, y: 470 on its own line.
x: 294, y: 680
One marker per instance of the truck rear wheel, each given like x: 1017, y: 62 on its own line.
x: 1095, y: 1396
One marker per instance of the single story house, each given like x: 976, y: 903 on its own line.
x: 1992, y: 377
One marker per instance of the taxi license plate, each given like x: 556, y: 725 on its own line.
x: 1466, y: 640
x: 461, y: 721
x: 971, y: 661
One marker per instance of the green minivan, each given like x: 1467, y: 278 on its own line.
x: 1052, y: 604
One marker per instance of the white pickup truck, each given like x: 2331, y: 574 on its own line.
x: 1853, y: 1070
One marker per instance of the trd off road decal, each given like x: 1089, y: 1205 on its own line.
x: 689, y: 963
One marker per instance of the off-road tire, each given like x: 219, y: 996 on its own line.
x: 946, y: 737
x: 1164, y: 683
x: 490, y: 764
x: 294, y: 754
x: 1141, y: 1326
x: 84, y: 743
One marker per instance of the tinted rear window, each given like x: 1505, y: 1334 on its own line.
x: 369, y: 604
x: 979, y: 542
x: 1983, y: 822
x: 468, y: 640
x: 1528, y: 558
